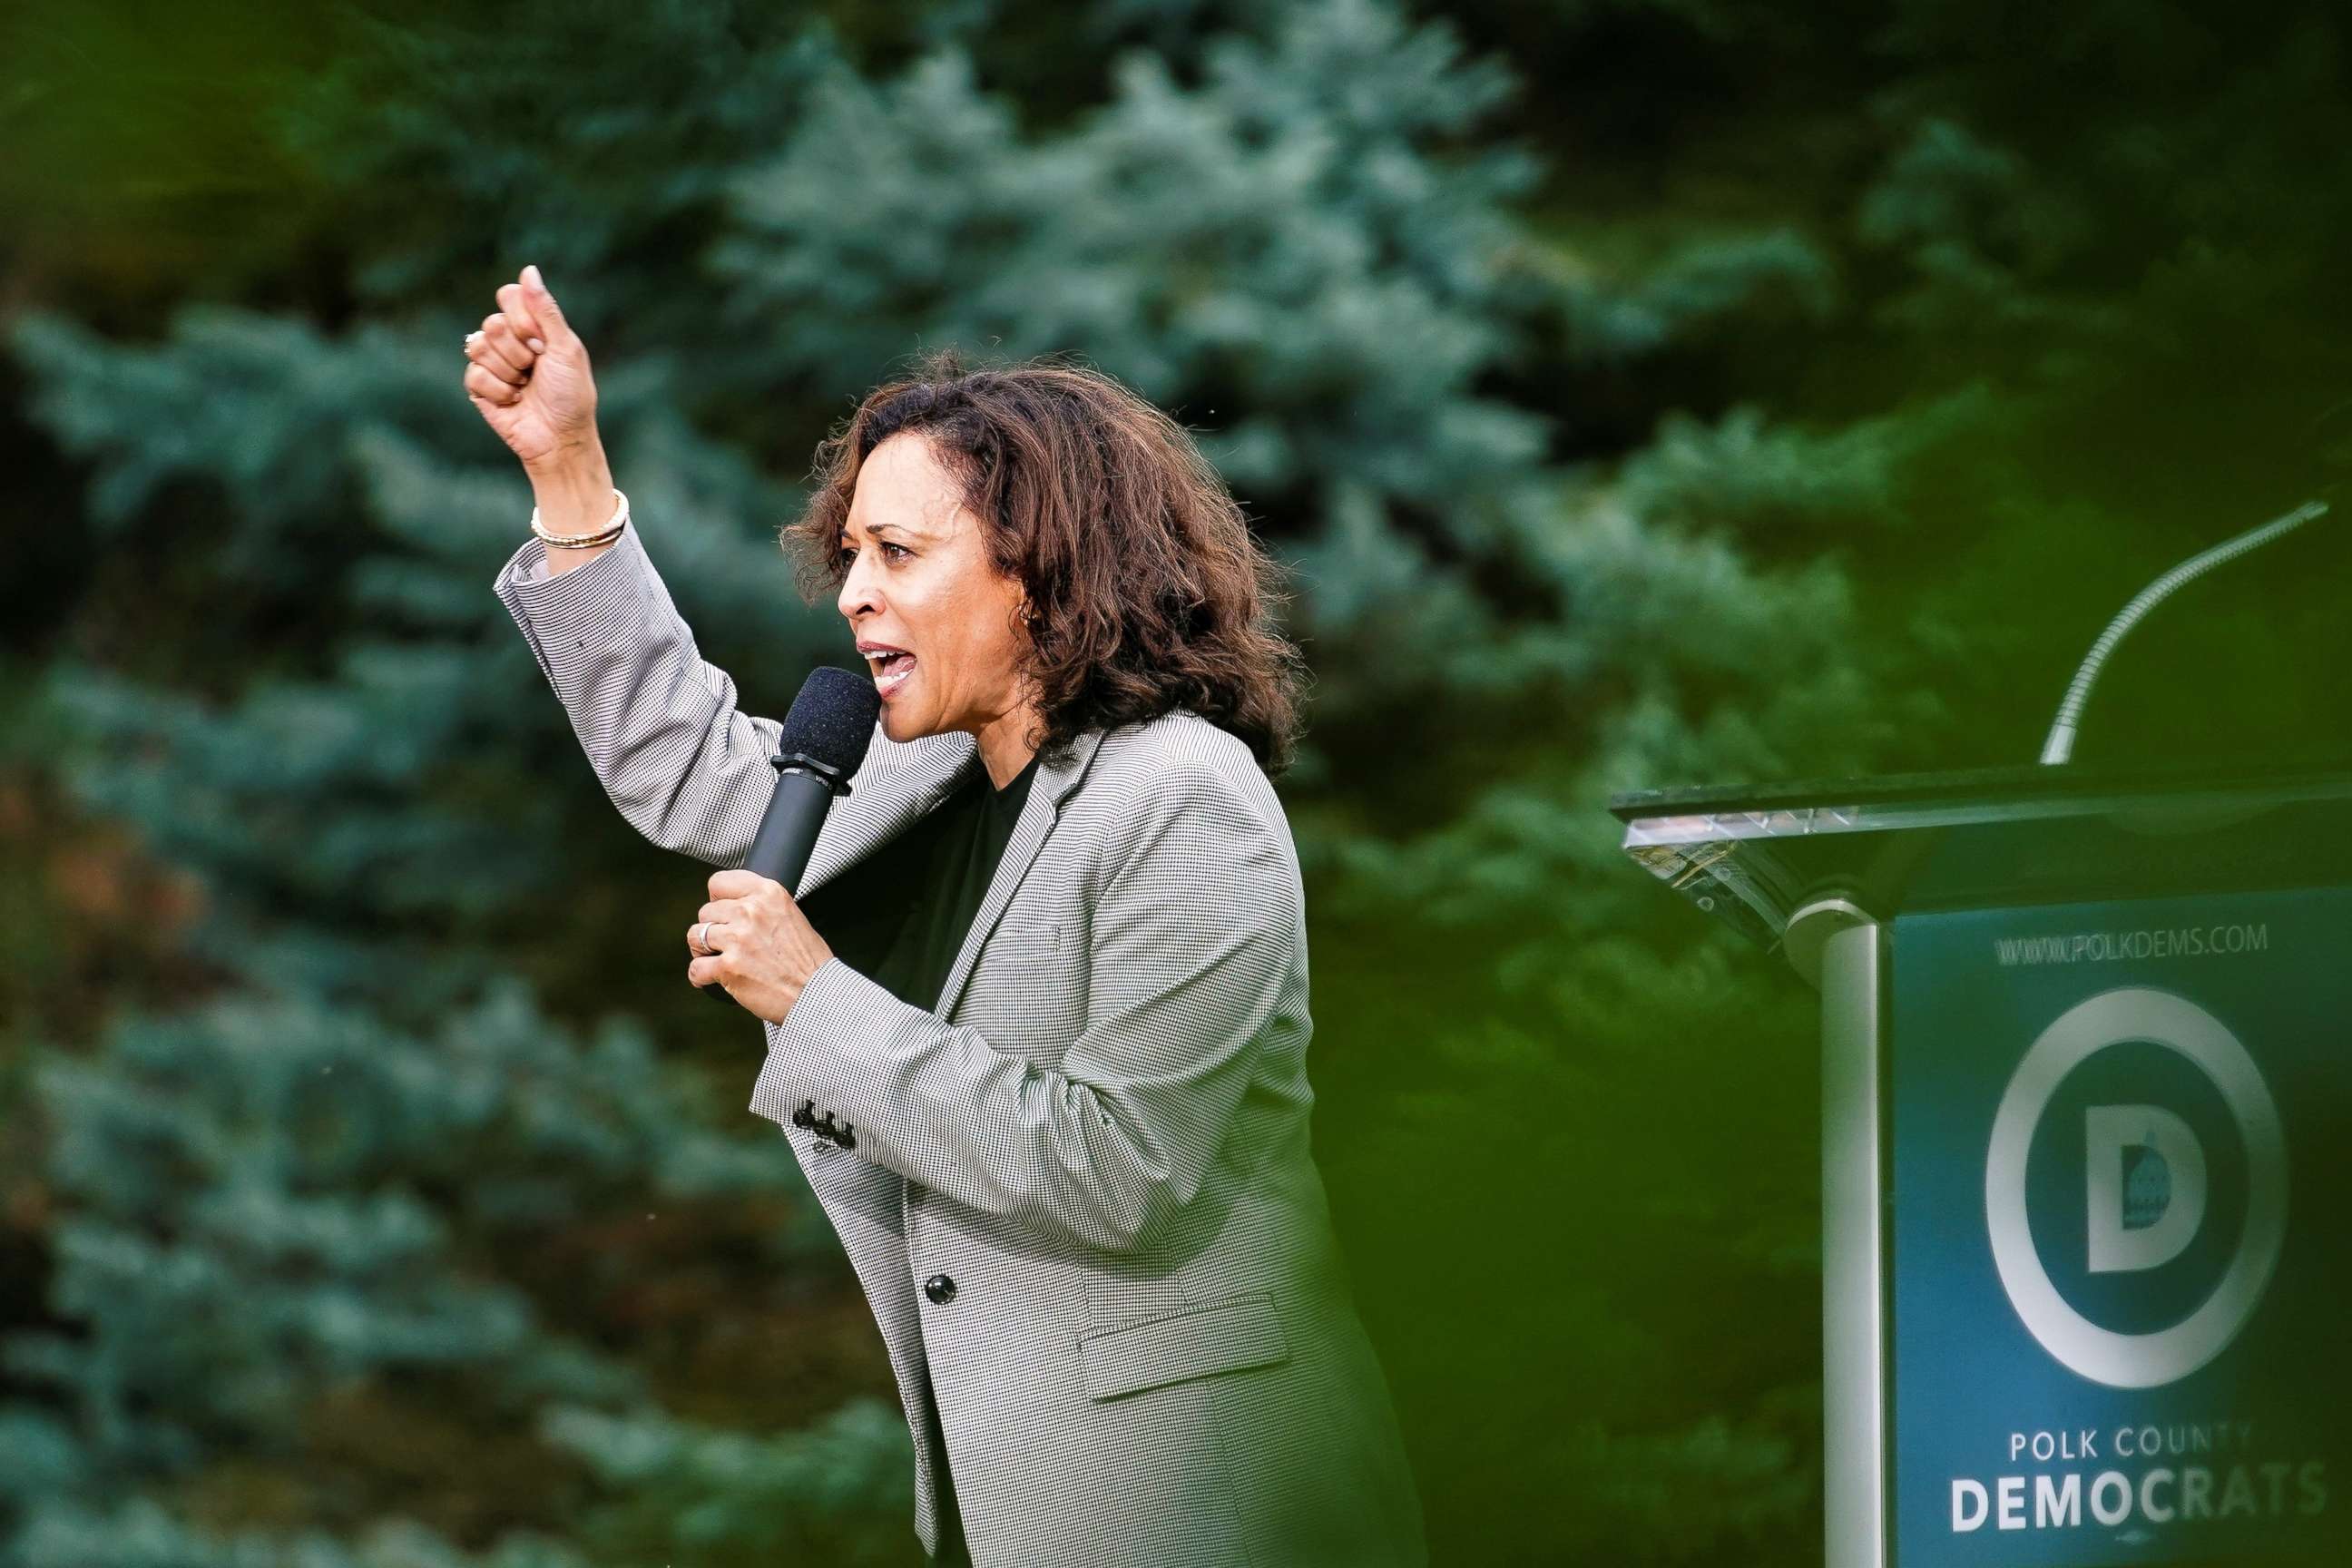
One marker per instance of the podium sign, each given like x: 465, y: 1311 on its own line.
x: 2116, y: 1230
x: 2087, y: 1150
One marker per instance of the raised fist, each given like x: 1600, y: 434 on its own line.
x: 529, y: 376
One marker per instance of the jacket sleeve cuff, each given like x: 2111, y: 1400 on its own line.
x: 833, y: 1005
x: 849, y: 1043
x: 547, y: 606
x: 833, y: 1013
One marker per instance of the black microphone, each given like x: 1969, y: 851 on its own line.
x: 823, y: 742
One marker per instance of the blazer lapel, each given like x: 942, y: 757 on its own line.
x: 884, y: 801
x: 1038, y: 813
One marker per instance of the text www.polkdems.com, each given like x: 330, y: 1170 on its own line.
x: 2109, y: 946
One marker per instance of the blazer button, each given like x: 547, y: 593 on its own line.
x: 940, y: 1289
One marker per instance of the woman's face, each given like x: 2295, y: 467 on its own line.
x: 920, y: 582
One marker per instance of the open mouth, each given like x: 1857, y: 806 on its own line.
x: 892, y: 671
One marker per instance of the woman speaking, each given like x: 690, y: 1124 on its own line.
x: 1037, y: 1021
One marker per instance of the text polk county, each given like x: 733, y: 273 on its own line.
x: 2160, y: 1496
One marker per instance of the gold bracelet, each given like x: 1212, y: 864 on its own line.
x: 609, y: 533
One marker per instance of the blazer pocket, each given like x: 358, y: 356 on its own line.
x: 1026, y: 941
x: 1224, y: 1336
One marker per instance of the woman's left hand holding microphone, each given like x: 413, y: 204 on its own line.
x: 753, y: 940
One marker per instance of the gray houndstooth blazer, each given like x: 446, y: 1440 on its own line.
x: 1078, y: 1190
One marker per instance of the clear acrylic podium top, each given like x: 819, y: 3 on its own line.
x: 1757, y: 856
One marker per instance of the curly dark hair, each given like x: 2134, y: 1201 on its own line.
x: 1148, y: 591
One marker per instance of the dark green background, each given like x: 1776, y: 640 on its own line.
x: 1644, y: 393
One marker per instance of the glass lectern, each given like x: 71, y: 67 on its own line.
x: 2087, y: 1159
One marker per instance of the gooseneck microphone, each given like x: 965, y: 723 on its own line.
x: 823, y: 742
x: 2060, y: 746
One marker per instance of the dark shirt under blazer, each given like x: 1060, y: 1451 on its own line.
x: 1080, y: 1197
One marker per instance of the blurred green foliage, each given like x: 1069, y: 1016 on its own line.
x: 1645, y: 391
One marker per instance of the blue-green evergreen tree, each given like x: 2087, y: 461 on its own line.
x: 1656, y: 392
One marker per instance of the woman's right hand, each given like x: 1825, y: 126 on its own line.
x: 529, y: 376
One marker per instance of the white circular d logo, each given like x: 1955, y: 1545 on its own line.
x: 2177, y: 1023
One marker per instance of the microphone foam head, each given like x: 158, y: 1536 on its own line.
x: 833, y: 719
